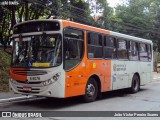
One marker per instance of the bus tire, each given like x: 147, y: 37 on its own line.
x: 91, y: 90
x: 135, y: 86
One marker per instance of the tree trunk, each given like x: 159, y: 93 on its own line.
x: 13, y: 19
x: 1, y: 38
x: 27, y: 11
x: 3, y: 27
x: 21, y: 14
x: 155, y: 60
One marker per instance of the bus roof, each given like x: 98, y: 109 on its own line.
x: 130, y: 37
x: 36, y: 20
x: 116, y: 34
x: 91, y: 28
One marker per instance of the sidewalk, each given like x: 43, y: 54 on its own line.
x: 155, y: 74
x: 4, y: 95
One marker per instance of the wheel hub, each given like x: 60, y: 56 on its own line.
x: 90, y: 90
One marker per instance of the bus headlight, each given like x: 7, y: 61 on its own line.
x: 52, y: 80
x: 56, y: 76
x: 47, y: 82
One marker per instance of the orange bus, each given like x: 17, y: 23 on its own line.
x: 60, y: 58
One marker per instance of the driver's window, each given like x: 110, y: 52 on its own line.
x: 73, y: 47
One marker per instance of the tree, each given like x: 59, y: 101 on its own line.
x: 155, y: 7
x: 76, y: 10
x: 41, y: 9
x: 141, y: 19
x: 25, y: 10
x: 138, y: 18
x: 101, y: 13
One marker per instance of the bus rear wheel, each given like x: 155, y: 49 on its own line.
x: 91, y: 90
x: 135, y: 86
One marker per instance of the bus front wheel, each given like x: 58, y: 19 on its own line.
x: 91, y: 90
x: 135, y: 86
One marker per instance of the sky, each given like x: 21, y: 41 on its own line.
x: 113, y: 3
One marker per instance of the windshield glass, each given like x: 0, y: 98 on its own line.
x: 37, y: 51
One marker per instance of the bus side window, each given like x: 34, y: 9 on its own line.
x: 73, y: 47
x: 65, y: 44
x: 110, y: 47
x: 149, y: 52
x: 122, y: 52
x: 143, y: 52
x: 68, y: 48
x: 133, y: 50
x: 95, y: 48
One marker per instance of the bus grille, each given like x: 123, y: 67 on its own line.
x: 29, y: 82
x: 29, y: 72
x: 34, y: 90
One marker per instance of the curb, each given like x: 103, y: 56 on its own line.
x: 156, y: 78
x: 16, y: 99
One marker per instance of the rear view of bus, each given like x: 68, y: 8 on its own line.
x: 36, y: 66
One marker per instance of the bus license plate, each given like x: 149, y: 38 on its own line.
x: 29, y: 89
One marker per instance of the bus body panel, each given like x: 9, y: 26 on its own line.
x: 35, y: 82
x: 120, y: 78
x: 123, y: 72
x: 16, y: 76
x: 77, y: 78
x: 113, y: 74
x: 145, y: 69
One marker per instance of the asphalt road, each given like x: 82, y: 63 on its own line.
x: 147, y: 99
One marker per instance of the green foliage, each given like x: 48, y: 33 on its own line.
x: 140, y: 18
x: 5, y: 60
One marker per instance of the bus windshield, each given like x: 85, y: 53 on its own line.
x: 37, y: 51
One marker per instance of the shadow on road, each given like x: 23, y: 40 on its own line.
x: 119, y: 93
x: 52, y: 103
x: 57, y: 103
